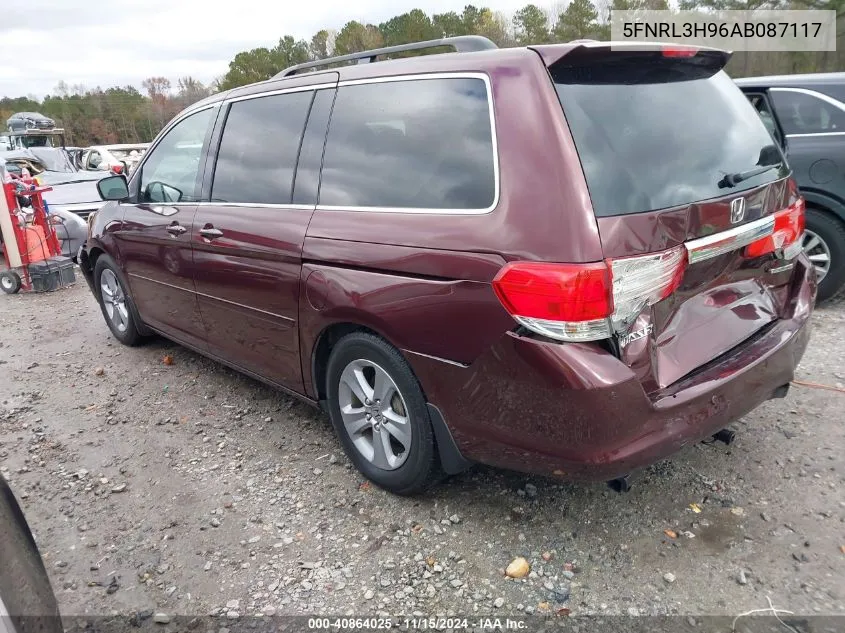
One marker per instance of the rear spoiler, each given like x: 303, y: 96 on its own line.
x: 625, y: 62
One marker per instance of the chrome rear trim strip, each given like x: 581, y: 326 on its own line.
x: 704, y: 248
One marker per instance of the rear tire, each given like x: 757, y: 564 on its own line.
x: 25, y: 592
x: 831, y: 234
x: 115, y: 303
x: 394, y: 447
x: 10, y: 282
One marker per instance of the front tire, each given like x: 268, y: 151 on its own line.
x: 824, y: 244
x: 379, y: 413
x: 115, y: 302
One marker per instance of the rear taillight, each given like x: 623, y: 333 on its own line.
x: 587, y: 302
x: 569, y: 302
x: 788, y: 229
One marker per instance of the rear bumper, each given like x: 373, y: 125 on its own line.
x: 577, y: 411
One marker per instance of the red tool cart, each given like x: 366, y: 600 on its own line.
x: 31, y: 250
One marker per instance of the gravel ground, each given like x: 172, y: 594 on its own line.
x: 186, y: 488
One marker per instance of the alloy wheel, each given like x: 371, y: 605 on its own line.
x: 114, y: 300
x: 374, y: 414
x: 818, y: 252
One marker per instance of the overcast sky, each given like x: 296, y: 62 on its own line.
x: 122, y: 42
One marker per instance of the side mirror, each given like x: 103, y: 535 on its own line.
x: 113, y: 188
x: 158, y: 192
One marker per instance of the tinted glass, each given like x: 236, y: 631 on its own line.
x: 410, y: 144
x: 307, y: 179
x: 764, y: 111
x: 800, y: 113
x: 259, y: 148
x: 170, y: 173
x: 655, y: 144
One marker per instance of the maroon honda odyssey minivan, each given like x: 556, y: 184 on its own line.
x: 570, y: 260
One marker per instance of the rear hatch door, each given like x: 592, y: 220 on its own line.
x: 677, y: 161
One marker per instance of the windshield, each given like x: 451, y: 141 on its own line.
x: 652, y: 145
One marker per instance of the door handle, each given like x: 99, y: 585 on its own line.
x: 210, y: 233
x: 176, y: 229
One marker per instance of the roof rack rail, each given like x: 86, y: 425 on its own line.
x: 461, y: 44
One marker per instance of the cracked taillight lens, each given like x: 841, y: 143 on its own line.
x: 644, y: 280
x: 587, y: 302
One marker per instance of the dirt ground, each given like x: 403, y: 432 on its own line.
x: 186, y: 488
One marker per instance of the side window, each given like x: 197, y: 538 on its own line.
x: 94, y: 159
x: 307, y: 179
x: 170, y: 172
x: 801, y: 113
x: 259, y: 149
x: 424, y: 144
x: 761, y: 105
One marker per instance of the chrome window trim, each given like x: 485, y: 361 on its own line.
x: 812, y: 93
x: 812, y: 134
x: 493, y: 132
x: 711, y: 246
x: 280, y: 91
x: 250, y: 97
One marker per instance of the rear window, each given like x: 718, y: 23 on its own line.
x: 413, y: 144
x: 661, y: 140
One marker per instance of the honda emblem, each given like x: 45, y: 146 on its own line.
x: 737, y: 210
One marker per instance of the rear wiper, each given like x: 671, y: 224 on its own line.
x: 732, y: 180
x: 770, y: 158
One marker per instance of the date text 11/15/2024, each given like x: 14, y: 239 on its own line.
x: 417, y: 624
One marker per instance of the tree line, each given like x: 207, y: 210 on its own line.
x: 126, y: 114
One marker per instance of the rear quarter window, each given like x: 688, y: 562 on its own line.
x: 411, y: 144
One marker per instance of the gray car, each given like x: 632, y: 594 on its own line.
x: 73, y: 198
x: 806, y: 115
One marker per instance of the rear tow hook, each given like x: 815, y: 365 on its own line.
x: 725, y: 435
x: 620, y: 484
